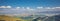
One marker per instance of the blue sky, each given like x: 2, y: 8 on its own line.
x: 30, y: 3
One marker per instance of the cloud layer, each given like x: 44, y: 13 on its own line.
x: 8, y: 10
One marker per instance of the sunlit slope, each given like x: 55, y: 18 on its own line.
x: 8, y: 18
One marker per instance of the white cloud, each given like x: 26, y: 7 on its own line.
x: 17, y: 7
x: 22, y: 10
x: 53, y: 8
x: 5, y: 7
x: 28, y: 8
x: 39, y: 7
x: 8, y: 7
x: 48, y: 8
x: 57, y: 7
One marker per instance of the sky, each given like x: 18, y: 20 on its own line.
x: 17, y: 7
x: 30, y: 3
